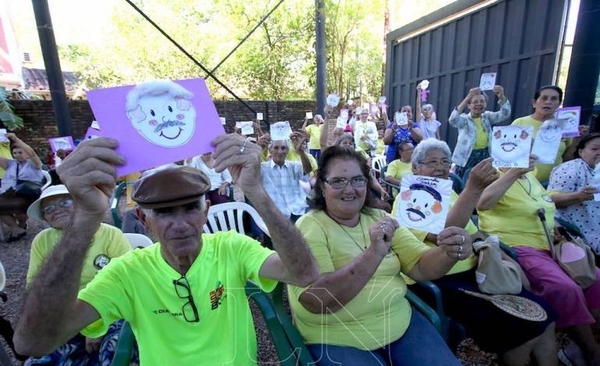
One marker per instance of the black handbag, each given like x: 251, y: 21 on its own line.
x: 28, y: 189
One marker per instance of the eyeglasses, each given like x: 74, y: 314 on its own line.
x: 182, y: 288
x: 341, y: 183
x: 553, y: 98
x: 434, y: 163
x: 66, y: 203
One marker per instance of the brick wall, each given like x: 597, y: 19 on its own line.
x: 40, y: 124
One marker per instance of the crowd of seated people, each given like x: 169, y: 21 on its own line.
x: 336, y: 243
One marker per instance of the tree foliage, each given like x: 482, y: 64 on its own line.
x: 277, y: 62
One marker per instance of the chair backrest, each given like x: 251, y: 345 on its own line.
x: 458, y: 184
x: 378, y: 162
x: 114, y: 204
x: 2, y: 277
x: 138, y: 240
x: 230, y: 216
x: 47, y: 179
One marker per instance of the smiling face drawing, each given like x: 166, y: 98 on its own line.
x: 550, y: 131
x: 162, y: 112
x: 423, y: 205
x: 511, y: 140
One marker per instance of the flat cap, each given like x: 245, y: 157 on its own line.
x: 170, y: 186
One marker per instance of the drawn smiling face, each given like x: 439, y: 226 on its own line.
x: 422, y: 208
x: 164, y: 120
x: 511, y: 140
x: 550, y: 131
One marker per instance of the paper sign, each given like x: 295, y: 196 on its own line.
x: 3, y: 137
x: 344, y: 114
x: 487, y: 81
x: 280, y: 131
x: 223, y: 121
x: 423, y: 202
x: 156, y: 122
x: 511, y: 146
x: 92, y: 133
x: 424, y: 84
x: 333, y: 100
x: 341, y: 122
x: 95, y: 125
x: 350, y: 102
x: 247, y: 127
x: 382, y: 100
x: 308, y: 115
x: 66, y: 143
x: 259, y: 116
x: 572, y: 115
x: 547, y: 140
x: 401, y: 118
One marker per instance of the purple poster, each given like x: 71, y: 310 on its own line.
x: 66, y: 143
x: 157, y: 122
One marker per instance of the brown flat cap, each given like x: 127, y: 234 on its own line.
x: 170, y: 186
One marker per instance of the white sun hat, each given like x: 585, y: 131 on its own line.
x: 35, y: 210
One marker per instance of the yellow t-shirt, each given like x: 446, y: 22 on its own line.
x: 380, y: 147
x: 294, y: 156
x: 108, y: 243
x: 462, y: 265
x: 364, y: 322
x: 514, y: 218
x: 542, y: 171
x: 138, y: 287
x: 314, y: 133
x: 482, y: 140
x: 5, y: 153
x: 397, y: 169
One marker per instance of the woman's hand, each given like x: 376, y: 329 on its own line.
x: 456, y: 242
x: 584, y: 130
x: 499, y: 91
x: 223, y: 189
x: 482, y: 175
x: 92, y: 345
x: 587, y: 193
x: 381, y: 233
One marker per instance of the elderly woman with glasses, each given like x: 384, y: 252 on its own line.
x: 356, y: 312
x: 430, y: 126
x: 431, y: 158
x: 56, y: 208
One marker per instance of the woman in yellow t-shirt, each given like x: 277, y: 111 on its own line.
x: 545, y: 102
x: 356, y: 312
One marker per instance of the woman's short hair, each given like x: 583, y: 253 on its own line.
x: 584, y: 141
x: 344, y: 154
x: 400, y: 145
x: 427, y: 106
x: 346, y: 135
x: 427, y: 145
x: 483, y: 94
x: 549, y: 87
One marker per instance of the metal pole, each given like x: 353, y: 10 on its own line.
x: 52, y: 64
x: 584, y: 68
x: 321, y: 56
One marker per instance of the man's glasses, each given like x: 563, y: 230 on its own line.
x: 341, y: 183
x: 435, y: 163
x: 66, y: 203
x: 182, y: 288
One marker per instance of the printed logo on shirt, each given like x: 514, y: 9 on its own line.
x: 547, y: 198
x: 217, y: 296
x: 101, y: 261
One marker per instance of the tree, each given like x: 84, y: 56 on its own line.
x: 7, y: 112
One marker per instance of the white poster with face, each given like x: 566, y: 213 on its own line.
x: 547, y: 140
x: 308, y: 115
x: 3, y: 137
x: 423, y: 202
x: 511, y: 146
x: 572, y: 116
x: 259, y: 116
x: 247, y: 127
x: 487, y: 81
x: 401, y: 118
x: 280, y: 131
x: 333, y: 100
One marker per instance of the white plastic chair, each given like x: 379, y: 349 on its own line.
x: 138, y: 240
x: 2, y: 277
x: 47, y: 179
x: 378, y: 162
x: 230, y: 216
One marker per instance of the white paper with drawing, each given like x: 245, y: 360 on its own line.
x: 547, y: 140
x: 511, y: 146
x: 281, y: 131
x: 247, y: 127
x: 401, y: 118
x: 572, y: 116
x: 424, y: 202
x: 487, y: 81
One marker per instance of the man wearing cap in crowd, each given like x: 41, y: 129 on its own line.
x: 55, y: 206
x: 184, y: 296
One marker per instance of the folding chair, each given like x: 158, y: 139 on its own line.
x: 138, y: 240
x: 114, y: 204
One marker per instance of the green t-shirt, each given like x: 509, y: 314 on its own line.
x: 482, y: 140
x: 139, y: 288
x: 364, y: 322
x: 108, y: 243
x: 514, y: 218
x: 542, y: 171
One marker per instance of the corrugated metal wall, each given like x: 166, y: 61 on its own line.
x: 519, y: 39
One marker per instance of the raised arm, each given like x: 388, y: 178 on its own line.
x: 293, y: 262
x: 31, y: 154
x: 51, y: 313
x: 495, y: 191
x: 298, y: 140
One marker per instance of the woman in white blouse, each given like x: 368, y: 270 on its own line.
x: 219, y: 182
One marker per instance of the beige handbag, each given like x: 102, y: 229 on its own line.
x: 495, y: 275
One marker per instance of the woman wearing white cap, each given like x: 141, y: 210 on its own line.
x: 56, y: 207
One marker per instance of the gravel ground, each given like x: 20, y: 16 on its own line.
x: 15, y: 258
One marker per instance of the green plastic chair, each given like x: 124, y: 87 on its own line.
x: 114, y: 204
